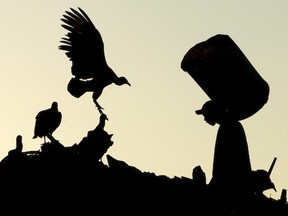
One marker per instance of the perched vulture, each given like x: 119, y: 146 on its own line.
x: 47, y: 121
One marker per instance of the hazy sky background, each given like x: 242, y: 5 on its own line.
x: 154, y: 124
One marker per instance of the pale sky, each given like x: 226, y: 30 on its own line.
x: 154, y: 122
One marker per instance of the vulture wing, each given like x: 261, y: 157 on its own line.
x: 83, y: 45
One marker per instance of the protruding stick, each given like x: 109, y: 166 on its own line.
x: 272, y: 166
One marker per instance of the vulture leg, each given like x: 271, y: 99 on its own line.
x: 99, y: 107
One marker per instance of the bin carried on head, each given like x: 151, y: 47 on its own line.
x: 224, y: 73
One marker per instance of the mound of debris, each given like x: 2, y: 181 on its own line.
x: 74, y: 180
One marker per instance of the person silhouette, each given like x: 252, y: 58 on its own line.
x: 231, y: 163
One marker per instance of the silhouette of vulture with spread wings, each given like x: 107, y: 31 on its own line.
x: 85, y: 48
x: 47, y: 121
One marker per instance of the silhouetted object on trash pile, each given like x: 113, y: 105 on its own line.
x: 283, y: 198
x: 85, y: 48
x: 199, y: 178
x: 97, y: 141
x: 224, y: 73
x: 47, y: 121
x: 19, y: 146
x: 261, y: 181
x: 16, y: 156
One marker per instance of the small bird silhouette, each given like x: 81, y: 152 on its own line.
x: 99, y: 130
x: 85, y: 48
x: 261, y: 181
x: 47, y: 121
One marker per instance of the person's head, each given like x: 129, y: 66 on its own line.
x: 213, y: 112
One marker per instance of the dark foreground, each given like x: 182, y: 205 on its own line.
x: 73, y: 180
x: 60, y: 180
